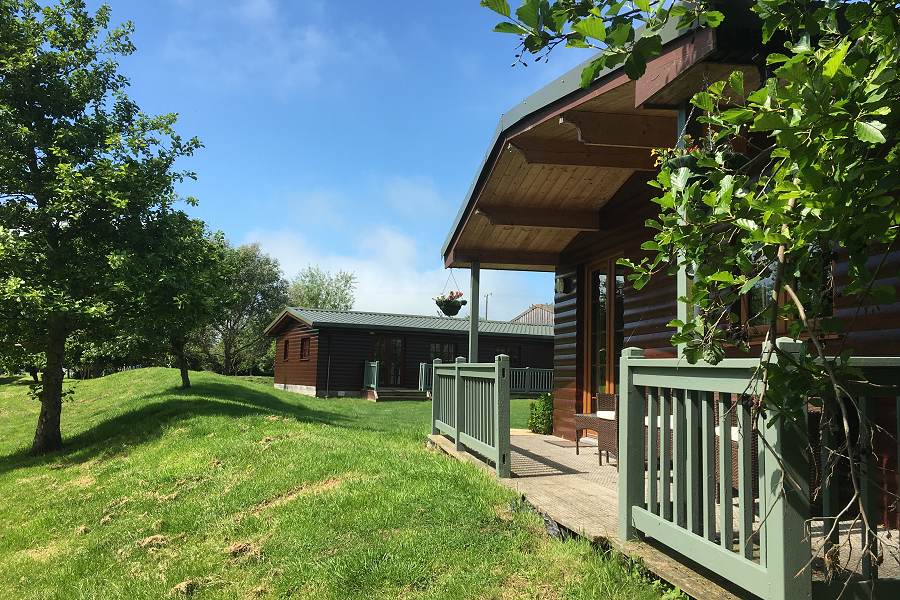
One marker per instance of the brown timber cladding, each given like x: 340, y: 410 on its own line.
x: 337, y: 354
x: 646, y: 312
x: 292, y: 369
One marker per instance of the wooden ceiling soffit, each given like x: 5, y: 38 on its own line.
x: 502, y: 257
x: 544, y: 218
x: 545, y: 152
x: 624, y: 130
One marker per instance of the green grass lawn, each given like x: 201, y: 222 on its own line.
x: 236, y: 490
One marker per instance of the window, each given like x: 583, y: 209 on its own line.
x: 605, y: 328
x: 815, y: 286
x: 513, y: 352
x: 286, y: 351
x: 446, y: 351
x: 304, y: 348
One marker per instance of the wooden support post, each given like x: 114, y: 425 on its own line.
x: 458, y: 402
x: 684, y: 312
x: 435, y: 399
x: 474, y: 310
x: 631, y: 444
x: 501, y: 416
x: 787, y: 541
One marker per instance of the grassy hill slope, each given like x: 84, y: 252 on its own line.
x: 236, y: 490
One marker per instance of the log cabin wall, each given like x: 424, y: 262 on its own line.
x: 337, y: 366
x: 646, y: 312
x: 872, y: 330
x: 340, y: 368
x: 290, y: 369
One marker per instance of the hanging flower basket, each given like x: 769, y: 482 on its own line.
x: 451, y: 303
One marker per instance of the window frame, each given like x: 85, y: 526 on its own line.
x: 305, y: 348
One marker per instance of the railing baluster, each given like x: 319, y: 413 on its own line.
x: 868, y: 493
x: 458, y: 397
x: 726, y: 524
x: 707, y: 441
x: 665, y: 456
x: 679, y: 459
x: 652, y: 395
x: 762, y: 528
x: 745, y: 482
x: 692, y: 464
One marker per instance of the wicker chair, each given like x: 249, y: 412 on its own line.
x: 604, y: 421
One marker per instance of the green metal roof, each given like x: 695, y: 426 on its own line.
x: 374, y: 320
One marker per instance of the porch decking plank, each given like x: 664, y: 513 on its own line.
x: 582, y: 497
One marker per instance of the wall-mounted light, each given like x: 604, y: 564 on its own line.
x: 564, y: 285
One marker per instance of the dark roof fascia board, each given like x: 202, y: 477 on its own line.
x: 285, y: 313
x: 324, y: 324
x: 462, y: 332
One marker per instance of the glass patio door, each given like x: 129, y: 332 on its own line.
x: 390, y: 356
x: 604, y: 329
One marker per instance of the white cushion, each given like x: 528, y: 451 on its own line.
x: 607, y: 415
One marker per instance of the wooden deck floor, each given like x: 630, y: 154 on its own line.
x: 582, y: 496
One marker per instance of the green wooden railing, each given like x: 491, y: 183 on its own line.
x: 679, y: 426
x: 522, y: 380
x: 370, y: 375
x: 426, y: 371
x: 470, y: 403
x: 528, y: 380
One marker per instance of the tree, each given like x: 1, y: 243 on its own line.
x: 81, y: 171
x: 256, y: 292
x: 820, y: 179
x: 177, y: 279
x: 316, y: 288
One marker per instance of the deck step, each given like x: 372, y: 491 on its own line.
x: 401, y: 394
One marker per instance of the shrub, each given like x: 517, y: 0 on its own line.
x: 540, y: 419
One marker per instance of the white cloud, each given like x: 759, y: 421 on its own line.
x: 391, y: 278
x: 257, y: 10
x: 413, y: 195
x: 267, y: 48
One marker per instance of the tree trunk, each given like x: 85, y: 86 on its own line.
x: 33, y: 371
x: 227, y: 357
x: 181, y: 361
x: 48, y: 436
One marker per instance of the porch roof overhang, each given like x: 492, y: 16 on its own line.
x: 562, y: 154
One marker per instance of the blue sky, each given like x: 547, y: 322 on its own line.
x: 340, y: 134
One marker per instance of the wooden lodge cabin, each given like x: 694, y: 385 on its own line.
x: 564, y: 189
x: 323, y: 352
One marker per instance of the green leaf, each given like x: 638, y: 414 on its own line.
x: 507, y: 27
x: 591, y: 27
x: 713, y: 18
x: 748, y: 285
x: 680, y: 178
x: 635, y: 65
x: 747, y: 224
x: 803, y: 46
x: 704, y: 101
x: 869, y: 131
x: 589, y: 73
x: 736, y: 81
x: 498, y: 6
x: 530, y: 13
x: 737, y: 116
x: 722, y: 276
x: 837, y: 59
